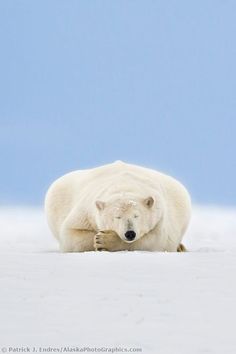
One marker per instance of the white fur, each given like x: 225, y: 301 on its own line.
x: 118, y: 197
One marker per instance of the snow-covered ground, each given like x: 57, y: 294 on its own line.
x: 173, y: 303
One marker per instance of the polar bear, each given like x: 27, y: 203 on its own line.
x: 118, y: 206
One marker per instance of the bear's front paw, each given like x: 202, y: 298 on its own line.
x: 106, y: 241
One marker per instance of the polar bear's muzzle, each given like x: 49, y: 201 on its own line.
x: 130, y: 235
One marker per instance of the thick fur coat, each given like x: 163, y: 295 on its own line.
x: 116, y: 207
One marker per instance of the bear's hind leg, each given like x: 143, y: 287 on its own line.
x: 73, y: 240
x: 181, y: 248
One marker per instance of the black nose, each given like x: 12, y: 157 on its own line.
x: 130, y: 235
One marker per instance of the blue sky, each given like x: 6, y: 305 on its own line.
x: 83, y: 83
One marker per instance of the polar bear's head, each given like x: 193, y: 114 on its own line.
x: 131, y: 218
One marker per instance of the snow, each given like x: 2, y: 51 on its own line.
x: 164, y: 303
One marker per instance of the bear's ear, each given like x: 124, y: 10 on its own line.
x: 100, y: 205
x: 149, y: 202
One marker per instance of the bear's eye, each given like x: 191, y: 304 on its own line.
x: 117, y: 217
x: 135, y: 216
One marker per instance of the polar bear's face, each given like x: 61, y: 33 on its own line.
x: 129, y: 218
